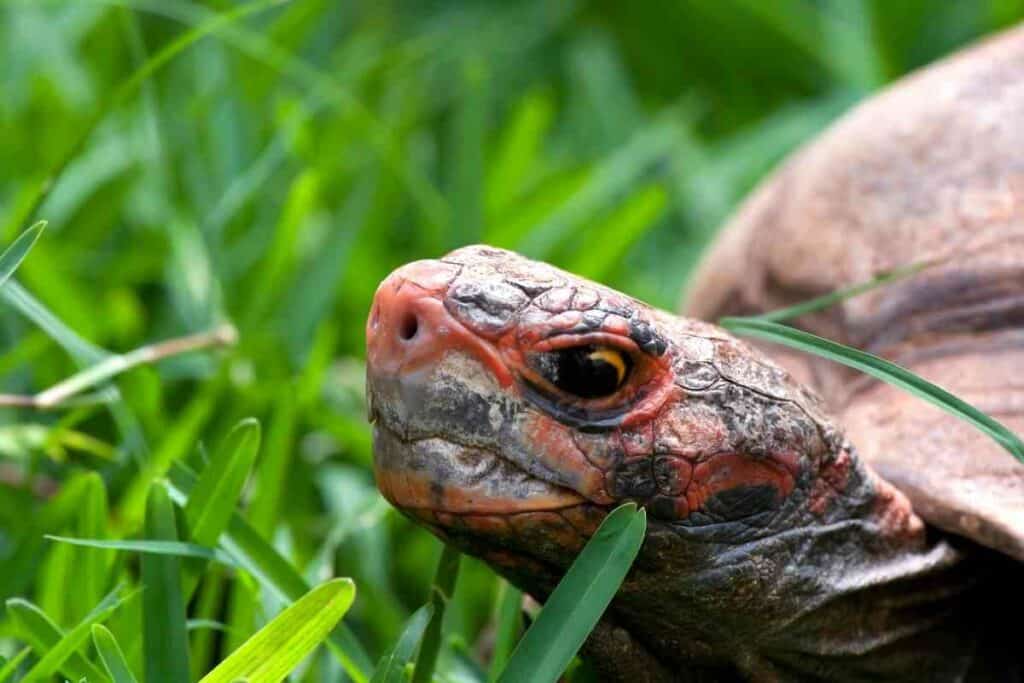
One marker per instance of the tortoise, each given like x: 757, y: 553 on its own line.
x: 805, y: 523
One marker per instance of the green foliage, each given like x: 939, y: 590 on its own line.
x: 267, y: 164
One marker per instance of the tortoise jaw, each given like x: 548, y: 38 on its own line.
x: 439, y: 475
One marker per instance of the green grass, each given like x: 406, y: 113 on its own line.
x: 265, y: 165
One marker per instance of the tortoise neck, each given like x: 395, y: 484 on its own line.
x: 856, y: 588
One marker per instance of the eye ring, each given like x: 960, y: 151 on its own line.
x: 586, y: 371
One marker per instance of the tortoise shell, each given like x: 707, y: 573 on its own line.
x: 931, y: 170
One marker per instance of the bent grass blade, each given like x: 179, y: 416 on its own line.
x: 822, y: 302
x: 111, y: 655
x: 880, y: 369
x: 13, y: 255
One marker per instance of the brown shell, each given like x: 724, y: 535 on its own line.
x: 930, y: 169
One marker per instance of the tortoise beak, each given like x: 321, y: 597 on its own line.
x: 408, y: 321
x: 410, y: 329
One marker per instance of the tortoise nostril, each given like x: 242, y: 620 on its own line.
x: 409, y: 327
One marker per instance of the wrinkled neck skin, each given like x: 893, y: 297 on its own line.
x: 854, y: 592
x: 773, y: 553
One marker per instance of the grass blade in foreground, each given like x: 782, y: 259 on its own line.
x: 881, y: 369
x: 16, y: 253
x: 278, y: 647
x: 54, y: 659
x: 260, y: 559
x: 579, y: 600
x: 392, y: 665
x: 510, y: 623
x: 111, y: 655
x: 10, y: 667
x: 36, y: 628
x: 164, y: 638
x: 440, y: 594
x: 213, y: 500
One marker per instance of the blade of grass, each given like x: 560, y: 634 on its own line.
x: 207, y: 625
x: 111, y: 655
x: 617, y: 173
x: 179, y: 439
x: 468, y: 134
x: 428, y: 201
x: 440, y: 593
x: 82, y: 351
x: 92, y: 563
x: 60, y: 652
x: 171, y: 548
x: 275, y: 573
x: 579, y: 599
x: 10, y: 667
x: 16, y: 253
x: 391, y: 668
x: 827, y: 300
x: 127, y: 88
x: 113, y: 365
x: 302, y: 201
x: 282, y: 644
x: 43, y: 635
x: 619, y: 231
x: 84, y: 354
x: 272, y: 475
x: 164, y: 638
x: 518, y: 153
x: 510, y: 623
x: 881, y: 369
x: 207, y: 608
x: 213, y: 500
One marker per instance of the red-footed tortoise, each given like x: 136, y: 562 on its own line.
x: 806, y: 523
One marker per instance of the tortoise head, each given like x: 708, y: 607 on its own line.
x: 514, y: 404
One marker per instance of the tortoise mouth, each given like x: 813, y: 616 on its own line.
x: 526, y: 528
x: 438, y: 474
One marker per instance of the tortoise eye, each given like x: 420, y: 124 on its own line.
x: 586, y: 371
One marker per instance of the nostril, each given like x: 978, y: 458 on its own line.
x: 409, y: 327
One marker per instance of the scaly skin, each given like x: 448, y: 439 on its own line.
x: 773, y: 552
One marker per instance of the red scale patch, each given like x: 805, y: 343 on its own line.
x: 726, y: 471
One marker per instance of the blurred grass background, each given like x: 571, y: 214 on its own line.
x: 275, y: 171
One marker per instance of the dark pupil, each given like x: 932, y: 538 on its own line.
x: 574, y: 371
